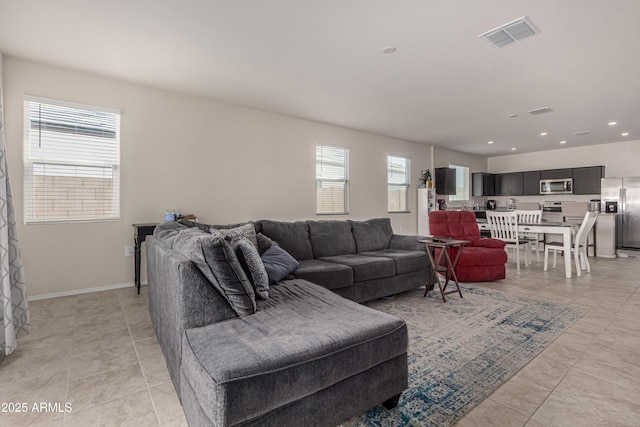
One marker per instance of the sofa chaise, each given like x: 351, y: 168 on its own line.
x: 305, y: 355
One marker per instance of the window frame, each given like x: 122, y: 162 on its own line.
x: 466, y: 184
x: 346, y: 152
x: 406, y: 184
x: 67, y: 162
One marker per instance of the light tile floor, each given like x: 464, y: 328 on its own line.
x: 98, y: 352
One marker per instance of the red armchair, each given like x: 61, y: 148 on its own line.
x: 482, y: 259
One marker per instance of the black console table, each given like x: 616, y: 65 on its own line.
x: 140, y: 234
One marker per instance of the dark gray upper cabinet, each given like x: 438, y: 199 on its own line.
x: 531, y: 184
x: 587, y: 180
x: 556, y: 173
x: 483, y: 184
x: 445, y: 181
x: 509, y: 184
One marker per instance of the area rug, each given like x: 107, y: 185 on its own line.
x: 462, y: 350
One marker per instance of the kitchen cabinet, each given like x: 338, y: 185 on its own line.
x: 483, y: 184
x: 556, y: 173
x: 445, y: 181
x: 587, y: 180
x: 509, y: 184
x: 531, y: 183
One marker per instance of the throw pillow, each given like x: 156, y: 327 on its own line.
x: 264, y: 243
x: 217, y: 261
x: 278, y: 263
x: 252, y: 264
x: 246, y: 230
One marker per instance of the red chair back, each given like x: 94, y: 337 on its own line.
x: 460, y: 225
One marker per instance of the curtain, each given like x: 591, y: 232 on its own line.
x: 14, y: 307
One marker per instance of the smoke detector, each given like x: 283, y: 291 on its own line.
x: 510, y: 32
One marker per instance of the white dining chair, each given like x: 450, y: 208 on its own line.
x: 504, y: 226
x: 531, y: 217
x: 578, y: 248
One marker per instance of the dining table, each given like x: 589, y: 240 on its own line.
x: 562, y: 228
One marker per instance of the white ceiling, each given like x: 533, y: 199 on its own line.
x: 323, y: 60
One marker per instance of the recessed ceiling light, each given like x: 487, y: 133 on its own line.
x: 389, y: 49
x: 543, y: 134
x: 625, y: 134
x: 563, y: 142
x: 490, y: 142
x: 513, y: 149
x: 613, y: 123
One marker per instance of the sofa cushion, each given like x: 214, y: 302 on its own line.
x: 329, y: 238
x: 293, y: 237
x: 252, y: 264
x: 406, y: 261
x: 217, y: 261
x: 327, y: 274
x: 278, y: 263
x: 372, y: 235
x: 303, y: 339
x: 365, y: 267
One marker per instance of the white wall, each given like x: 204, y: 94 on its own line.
x: 224, y: 163
x: 619, y: 159
x: 444, y: 157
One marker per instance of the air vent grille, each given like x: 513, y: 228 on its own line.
x: 540, y: 111
x: 584, y: 132
x: 510, y: 32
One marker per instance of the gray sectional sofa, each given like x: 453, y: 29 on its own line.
x: 305, y: 355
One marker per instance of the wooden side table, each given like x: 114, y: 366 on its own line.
x: 443, y: 264
x: 141, y: 231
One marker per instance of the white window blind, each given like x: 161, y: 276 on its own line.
x: 72, y: 162
x: 332, y: 180
x: 398, y: 184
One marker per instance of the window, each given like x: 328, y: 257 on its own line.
x: 72, y: 157
x: 462, y: 183
x: 398, y: 184
x: 332, y: 180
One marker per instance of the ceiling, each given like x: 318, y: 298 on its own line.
x: 323, y: 61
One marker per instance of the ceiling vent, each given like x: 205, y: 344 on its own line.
x: 540, y: 111
x: 508, y: 33
x: 584, y: 132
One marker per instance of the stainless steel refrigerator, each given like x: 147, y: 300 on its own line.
x: 624, y: 195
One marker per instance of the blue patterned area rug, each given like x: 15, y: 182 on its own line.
x: 462, y: 350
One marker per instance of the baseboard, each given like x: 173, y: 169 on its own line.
x: 81, y: 291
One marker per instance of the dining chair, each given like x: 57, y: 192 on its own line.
x: 578, y: 248
x: 533, y: 216
x: 504, y: 226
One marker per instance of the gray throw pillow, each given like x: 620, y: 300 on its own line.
x: 252, y: 264
x: 246, y: 230
x: 264, y: 243
x: 278, y: 263
x: 217, y: 261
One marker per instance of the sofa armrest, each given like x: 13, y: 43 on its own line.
x: 180, y: 298
x: 407, y: 243
x: 489, y: 243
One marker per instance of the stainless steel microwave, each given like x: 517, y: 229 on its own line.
x: 556, y: 186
